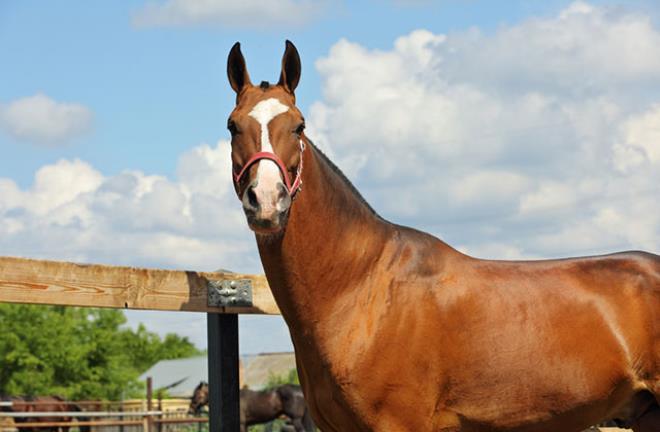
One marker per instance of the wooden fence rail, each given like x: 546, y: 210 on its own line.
x: 49, y: 425
x: 103, y: 423
x: 189, y: 420
x: 24, y: 280
x: 36, y: 414
x: 145, y: 419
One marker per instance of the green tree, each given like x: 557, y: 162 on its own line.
x: 288, y: 378
x: 146, y: 348
x: 78, y: 353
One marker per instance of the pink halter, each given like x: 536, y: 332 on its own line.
x: 291, y: 188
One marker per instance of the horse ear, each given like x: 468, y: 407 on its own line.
x: 236, y: 69
x: 290, y: 75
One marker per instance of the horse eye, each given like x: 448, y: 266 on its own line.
x: 233, y: 129
x: 300, y: 128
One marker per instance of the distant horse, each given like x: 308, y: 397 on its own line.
x: 264, y: 406
x: 394, y: 330
x: 52, y: 404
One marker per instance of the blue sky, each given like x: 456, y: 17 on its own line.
x: 533, y: 126
x: 157, y: 91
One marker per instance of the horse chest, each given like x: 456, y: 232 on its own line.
x: 354, y: 393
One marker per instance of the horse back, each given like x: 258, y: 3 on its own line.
x: 619, y: 293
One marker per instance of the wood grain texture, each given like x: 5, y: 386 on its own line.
x: 25, y: 280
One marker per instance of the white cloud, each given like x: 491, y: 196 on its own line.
x: 485, y: 188
x: 72, y: 211
x: 41, y: 120
x: 640, y: 142
x: 582, y: 51
x: 540, y: 139
x: 245, y: 13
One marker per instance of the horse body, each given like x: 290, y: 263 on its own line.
x: 263, y: 406
x: 259, y: 407
x: 52, y: 404
x: 406, y: 333
x: 267, y: 405
x: 394, y: 330
x: 476, y: 344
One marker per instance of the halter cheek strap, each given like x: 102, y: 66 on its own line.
x: 291, y: 188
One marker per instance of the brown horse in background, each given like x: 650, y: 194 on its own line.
x: 264, y: 406
x: 54, y: 404
x: 394, y: 330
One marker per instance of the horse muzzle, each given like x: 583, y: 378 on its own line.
x: 266, y: 210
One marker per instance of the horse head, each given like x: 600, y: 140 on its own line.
x: 267, y: 141
x: 199, y: 398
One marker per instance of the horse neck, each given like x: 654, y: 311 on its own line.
x: 330, y: 241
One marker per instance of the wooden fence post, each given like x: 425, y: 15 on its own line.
x: 224, y: 409
x: 121, y: 409
x: 159, y: 426
x: 149, y: 403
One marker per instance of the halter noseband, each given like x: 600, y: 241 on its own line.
x: 291, y: 188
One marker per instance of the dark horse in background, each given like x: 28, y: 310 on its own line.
x: 54, y: 404
x: 264, y: 406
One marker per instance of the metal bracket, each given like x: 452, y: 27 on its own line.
x: 230, y: 292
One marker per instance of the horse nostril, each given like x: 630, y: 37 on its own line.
x: 250, y: 201
x: 283, y: 198
x: 252, y: 198
x: 282, y: 192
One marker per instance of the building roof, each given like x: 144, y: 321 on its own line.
x: 180, y: 377
x: 259, y: 368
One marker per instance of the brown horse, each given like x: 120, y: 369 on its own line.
x: 54, y: 404
x: 394, y: 330
x: 264, y: 406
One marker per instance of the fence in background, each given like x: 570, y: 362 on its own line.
x: 221, y: 295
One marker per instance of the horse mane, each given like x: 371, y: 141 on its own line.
x: 343, y: 177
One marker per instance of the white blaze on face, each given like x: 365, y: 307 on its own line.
x: 268, y: 174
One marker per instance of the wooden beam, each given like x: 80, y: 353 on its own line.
x: 84, y: 414
x: 62, y: 283
x: 38, y: 425
x: 98, y: 423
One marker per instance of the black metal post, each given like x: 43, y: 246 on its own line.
x: 224, y: 410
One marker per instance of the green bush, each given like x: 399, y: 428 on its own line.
x: 289, y: 378
x: 78, y: 353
